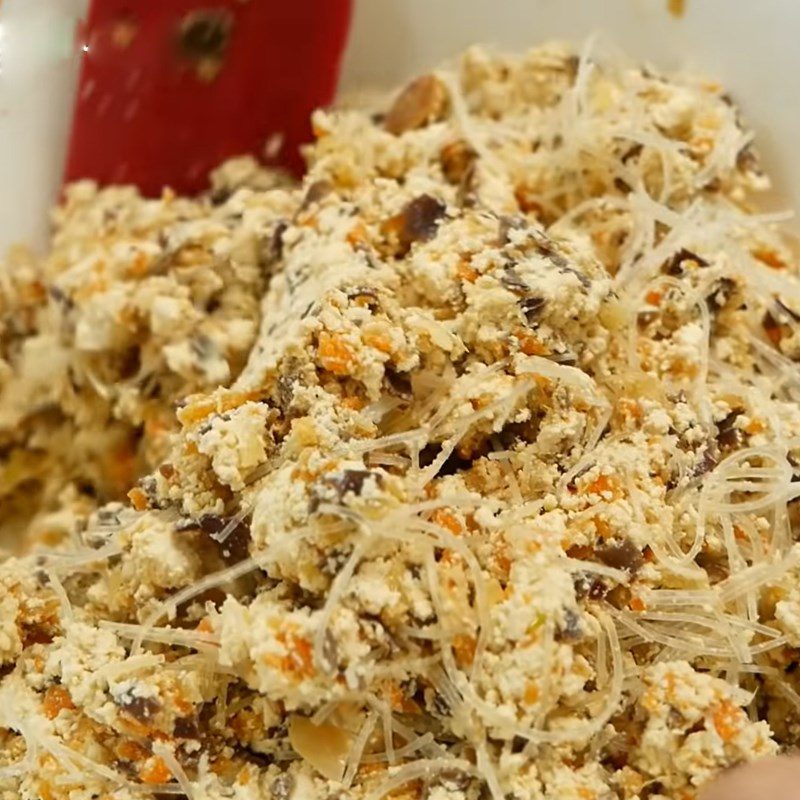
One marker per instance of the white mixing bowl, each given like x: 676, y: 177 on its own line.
x: 749, y: 45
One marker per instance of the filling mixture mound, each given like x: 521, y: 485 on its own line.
x: 468, y: 469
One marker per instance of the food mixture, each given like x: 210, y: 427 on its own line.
x: 466, y: 469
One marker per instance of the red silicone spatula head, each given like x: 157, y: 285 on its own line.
x: 170, y: 88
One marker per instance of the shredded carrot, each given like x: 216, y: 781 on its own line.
x: 774, y: 334
x: 33, y: 293
x: 129, y: 750
x: 682, y: 368
x: 581, y: 552
x: 56, y: 700
x: 627, y: 408
x: 244, y: 777
x: 378, y: 342
x: 372, y: 769
x: 155, y: 426
x: 603, y: 484
x: 195, y: 412
x: 181, y: 703
x: 727, y: 719
x: 526, y: 202
x: 134, y: 727
x: 357, y: 235
x: 200, y: 407
x: 155, y: 771
x: 223, y: 766
x: 530, y: 345
x: 205, y: 626
x: 139, y: 267
x: 334, y: 355
x: 503, y: 559
x: 394, y: 694
x: 398, y: 700
x: 464, y: 649
x: 138, y: 498
x: 649, y: 700
x: 769, y: 257
x: 756, y: 426
x: 653, y: 297
x: 304, y: 656
x: 531, y: 693
x: 702, y: 144
x: 308, y: 220
x: 637, y: 604
x: 465, y: 272
x: 447, y: 519
x: 299, y: 660
x: 245, y: 724
x: 604, y: 530
x: 544, y: 383
x: 355, y: 403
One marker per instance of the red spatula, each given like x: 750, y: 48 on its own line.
x: 170, y: 88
